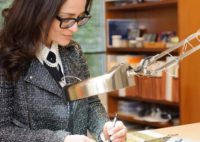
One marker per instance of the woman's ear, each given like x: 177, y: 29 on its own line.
x: 5, y: 12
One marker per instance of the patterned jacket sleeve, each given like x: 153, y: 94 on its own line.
x: 9, y: 132
x: 97, y: 115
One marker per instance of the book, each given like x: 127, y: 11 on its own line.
x: 120, y: 27
x: 171, y: 75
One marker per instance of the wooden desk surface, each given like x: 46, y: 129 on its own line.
x: 189, y: 131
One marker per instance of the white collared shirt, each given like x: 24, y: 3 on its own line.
x: 43, y: 52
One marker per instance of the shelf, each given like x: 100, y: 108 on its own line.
x: 141, y: 6
x: 130, y: 98
x: 113, y: 50
x: 130, y: 118
x: 154, y: 17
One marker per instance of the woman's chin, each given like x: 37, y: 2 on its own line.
x: 64, y: 43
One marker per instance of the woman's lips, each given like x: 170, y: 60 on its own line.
x: 68, y: 36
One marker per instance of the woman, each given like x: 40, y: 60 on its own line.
x: 36, y: 52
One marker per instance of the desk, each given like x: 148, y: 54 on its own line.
x: 189, y: 131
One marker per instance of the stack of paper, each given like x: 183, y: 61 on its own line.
x: 151, y: 136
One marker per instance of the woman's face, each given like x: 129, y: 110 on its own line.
x: 70, y: 9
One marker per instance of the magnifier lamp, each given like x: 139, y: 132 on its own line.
x: 122, y: 75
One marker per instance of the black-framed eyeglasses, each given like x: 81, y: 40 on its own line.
x: 66, y: 23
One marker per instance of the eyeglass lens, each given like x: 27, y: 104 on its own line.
x: 70, y: 22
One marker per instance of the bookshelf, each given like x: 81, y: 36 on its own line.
x: 189, y: 73
x: 162, y: 102
x: 129, y: 118
x: 143, y: 6
x: 149, y: 15
x: 149, y: 51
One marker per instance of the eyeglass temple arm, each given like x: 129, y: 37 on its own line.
x: 88, y: 6
x: 143, y: 69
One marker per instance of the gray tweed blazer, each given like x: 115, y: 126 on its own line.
x: 35, y: 109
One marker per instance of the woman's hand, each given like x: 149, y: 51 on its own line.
x: 115, y: 134
x: 78, y: 138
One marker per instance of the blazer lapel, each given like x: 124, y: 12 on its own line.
x: 39, y: 76
x: 69, y: 65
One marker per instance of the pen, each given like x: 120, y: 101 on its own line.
x: 114, y: 123
x: 115, y: 120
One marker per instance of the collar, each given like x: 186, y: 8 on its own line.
x: 44, y: 50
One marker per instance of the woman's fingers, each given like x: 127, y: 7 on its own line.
x: 115, y: 133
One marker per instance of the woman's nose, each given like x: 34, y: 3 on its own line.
x: 74, y: 27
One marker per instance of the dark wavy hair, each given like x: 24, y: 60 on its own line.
x: 22, y: 32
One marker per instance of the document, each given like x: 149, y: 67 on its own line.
x: 151, y: 136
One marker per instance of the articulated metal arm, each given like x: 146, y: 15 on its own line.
x: 189, y: 46
x: 122, y: 75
